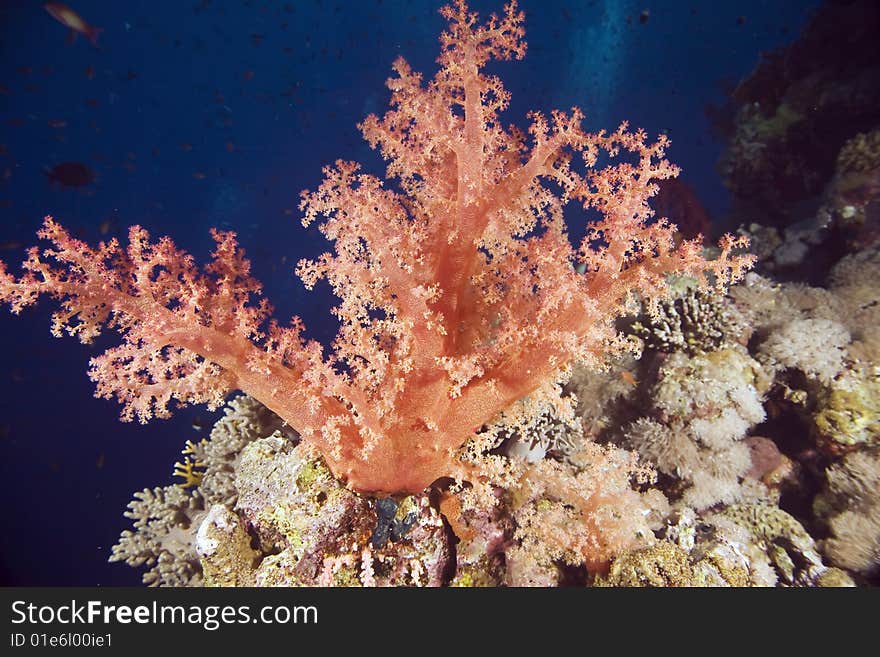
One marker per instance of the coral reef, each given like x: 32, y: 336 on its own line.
x: 742, y: 545
x: 757, y: 466
x: 814, y: 346
x: 783, y: 540
x: 167, y: 519
x: 799, y: 107
x: 852, y: 198
x: 280, y: 518
x: 224, y: 549
x: 500, y: 408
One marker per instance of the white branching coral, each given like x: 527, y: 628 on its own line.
x: 166, y: 519
x: 163, y: 537
x: 694, y: 321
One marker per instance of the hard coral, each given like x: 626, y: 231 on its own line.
x: 693, y: 322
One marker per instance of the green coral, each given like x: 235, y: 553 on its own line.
x: 665, y: 564
x: 848, y: 415
x: 660, y: 565
x: 482, y: 573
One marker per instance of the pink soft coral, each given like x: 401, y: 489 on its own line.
x: 459, y: 292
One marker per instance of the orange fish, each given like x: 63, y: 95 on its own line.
x: 69, y: 18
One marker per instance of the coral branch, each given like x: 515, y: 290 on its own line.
x: 458, y: 287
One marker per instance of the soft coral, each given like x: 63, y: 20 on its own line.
x: 459, y: 293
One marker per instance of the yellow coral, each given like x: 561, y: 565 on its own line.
x: 850, y: 416
x: 187, y: 470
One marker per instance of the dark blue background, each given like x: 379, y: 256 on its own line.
x: 203, y: 114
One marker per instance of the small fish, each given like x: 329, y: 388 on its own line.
x: 70, y: 174
x: 69, y: 18
x: 57, y: 123
x: 199, y: 175
x: 627, y: 377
